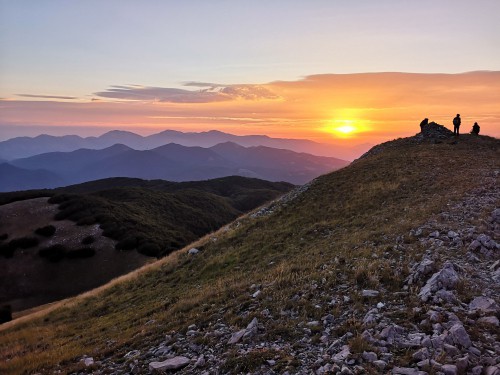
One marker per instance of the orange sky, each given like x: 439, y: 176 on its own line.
x: 372, y: 107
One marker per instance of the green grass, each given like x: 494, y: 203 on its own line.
x: 323, y: 237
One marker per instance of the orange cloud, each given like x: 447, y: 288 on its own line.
x: 369, y: 107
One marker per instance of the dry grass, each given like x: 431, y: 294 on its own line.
x: 327, y: 236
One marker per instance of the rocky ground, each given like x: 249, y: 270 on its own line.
x: 444, y: 320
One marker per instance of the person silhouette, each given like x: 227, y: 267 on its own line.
x: 424, y: 122
x: 475, y: 129
x: 456, y: 125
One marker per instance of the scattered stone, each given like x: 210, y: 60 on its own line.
x: 193, y: 251
x: 460, y: 336
x: 370, y: 293
x: 369, y: 356
x: 492, y: 370
x: 379, y: 364
x: 489, y: 320
x: 342, y: 355
x: 484, y: 304
x: 175, y: 363
x: 446, y: 279
x: 256, y: 294
x: 200, y: 362
x: 237, y: 336
x: 449, y: 369
x: 421, y: 354
x: 89, y: 361
x: 434, y: 234
x: 407, y: 371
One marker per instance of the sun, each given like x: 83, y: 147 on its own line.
x: 342, y: 128
x: 345, y: 129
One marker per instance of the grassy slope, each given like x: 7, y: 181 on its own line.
x: 349, y: 215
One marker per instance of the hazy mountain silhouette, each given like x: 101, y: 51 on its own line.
x: 15, y: 178
x: 22, y: 147
x: 180, y: 163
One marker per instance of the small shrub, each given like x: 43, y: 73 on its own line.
x: 88, y: 240
x: 5, y: 314
x: 86, y: 220
x: 128, y: 243
x: 149, y: 249
x: 24, y: 242
x: 84, y: 252
x: 46, y: 231
x: 4, y: 236
x: 7, y: 250
x: 53, y: 253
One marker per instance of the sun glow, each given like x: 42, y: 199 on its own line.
x: 343, y: 128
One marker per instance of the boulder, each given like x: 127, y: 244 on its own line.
x: 460, y: 335
x: 484, y: 304
x: 237, y: 336
x: 447, y: 278
x: 171, y: 364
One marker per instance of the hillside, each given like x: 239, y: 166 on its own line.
x: 103, y: 229
x: 175, y: 162
x: 387, y: 265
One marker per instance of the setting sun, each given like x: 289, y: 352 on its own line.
x: 346, y: 129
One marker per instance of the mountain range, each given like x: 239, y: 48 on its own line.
x: 171, y: 162
x: 21, y: 147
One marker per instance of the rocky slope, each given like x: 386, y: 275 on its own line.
x: 390, y: 265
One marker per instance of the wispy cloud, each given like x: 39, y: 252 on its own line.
x: 47, y: 96
x: 208, y: 93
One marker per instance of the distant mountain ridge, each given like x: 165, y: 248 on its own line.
x: 171, y: 162
x: 22, y: 147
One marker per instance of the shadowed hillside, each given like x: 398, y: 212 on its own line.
x: 85, y: 235
x: 385, y: 265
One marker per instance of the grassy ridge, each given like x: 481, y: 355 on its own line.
x: 327, y: 236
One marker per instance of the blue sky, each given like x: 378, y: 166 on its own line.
x: 78, y: 47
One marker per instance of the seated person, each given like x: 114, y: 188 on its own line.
x: 475, y: 129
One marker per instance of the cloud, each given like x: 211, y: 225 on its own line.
x: 208, y: 93
x: 47, y: 96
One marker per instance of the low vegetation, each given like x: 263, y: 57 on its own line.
x: 8, y: 249
x: 317, y: 242
x: 46, y: 231
x: 154, y: 217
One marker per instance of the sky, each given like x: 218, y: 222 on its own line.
x: 354, y: 71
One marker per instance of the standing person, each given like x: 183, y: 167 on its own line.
x: 456, y: 125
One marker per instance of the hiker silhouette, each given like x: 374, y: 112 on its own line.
x: 456, y: 125
x: 475, y: 129
x: 424, y: 122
